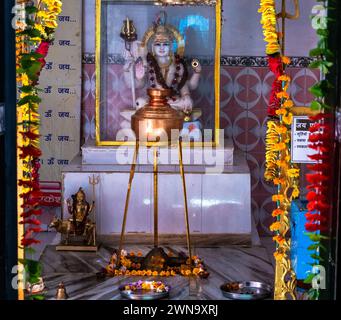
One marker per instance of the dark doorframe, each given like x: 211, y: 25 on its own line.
x: 8, y: 201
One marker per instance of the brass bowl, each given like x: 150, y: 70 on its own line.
x: 156, y: 120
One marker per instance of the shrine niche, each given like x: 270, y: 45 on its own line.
x: 148, y: 46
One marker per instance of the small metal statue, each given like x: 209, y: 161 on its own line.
x: 79, y: 224
x: 61, y: 292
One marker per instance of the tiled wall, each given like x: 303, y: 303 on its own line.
x: 245, y: 87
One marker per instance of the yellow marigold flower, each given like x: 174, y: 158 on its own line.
x: 52, y: 24
x: 295, y: 192
x: 293, y: 173
x: 167, y: 273
x: 286, y: 60
x: 173, y: 273
x: 275, y: 226
x: 282, y: 95
x: 188, y: 272
x: 277, y: 212
x: 277, y: 197
x: 272, y: 48
x: 287, y: 119
x: 134, y: 273
x: 41, y: 29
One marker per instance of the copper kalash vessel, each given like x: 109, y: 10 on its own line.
x: 156, y: 120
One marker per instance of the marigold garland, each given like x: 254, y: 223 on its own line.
x: 268, y: 20
x: 33, y: 39
x: 278, y: 167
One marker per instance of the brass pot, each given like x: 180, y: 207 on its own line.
x: 156, y: 120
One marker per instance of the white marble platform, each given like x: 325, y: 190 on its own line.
x: 219, y: 199
x: 92, y: 154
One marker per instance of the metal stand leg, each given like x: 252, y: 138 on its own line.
x: 185, y: 201
x: 156, y: 222
x: 132, y: 173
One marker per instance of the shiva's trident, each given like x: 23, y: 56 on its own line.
x: 283, y: 14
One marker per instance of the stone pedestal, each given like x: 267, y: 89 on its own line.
x: 219, y: 198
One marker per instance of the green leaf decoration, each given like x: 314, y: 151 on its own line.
x: 316, y: 90
x: 309, y: 278
x: 315, y: 105
x: 32, y: 32
x: 313, y: 247
x: 28, y: 99
x: 33, y: 71
x: 37, y: 297
x: 30, y: 250
x: 313, y: 294
x: 316, y: 257
x: 315, y: 237
x: 315, y: 64
x: 322, y: 32
x: 316, y: 52
x: 26, y: 89
x: 31, y: 9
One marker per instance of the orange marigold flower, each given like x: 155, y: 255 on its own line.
x: 282, y: 95
x: 284, y: 77
x: 278, y: 181
x: 286, y: 60
x: 288, y: 104
x: 188, y: 272
x: 196, y: 271
x: 279, y: 239
x: 281, y: 112
x: 277, y: 212
x: 279, y: 146
x: 139, y: 254
x: 155, y: 273
x: 277, y: 197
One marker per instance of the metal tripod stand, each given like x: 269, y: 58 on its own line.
x: 155, y: 184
